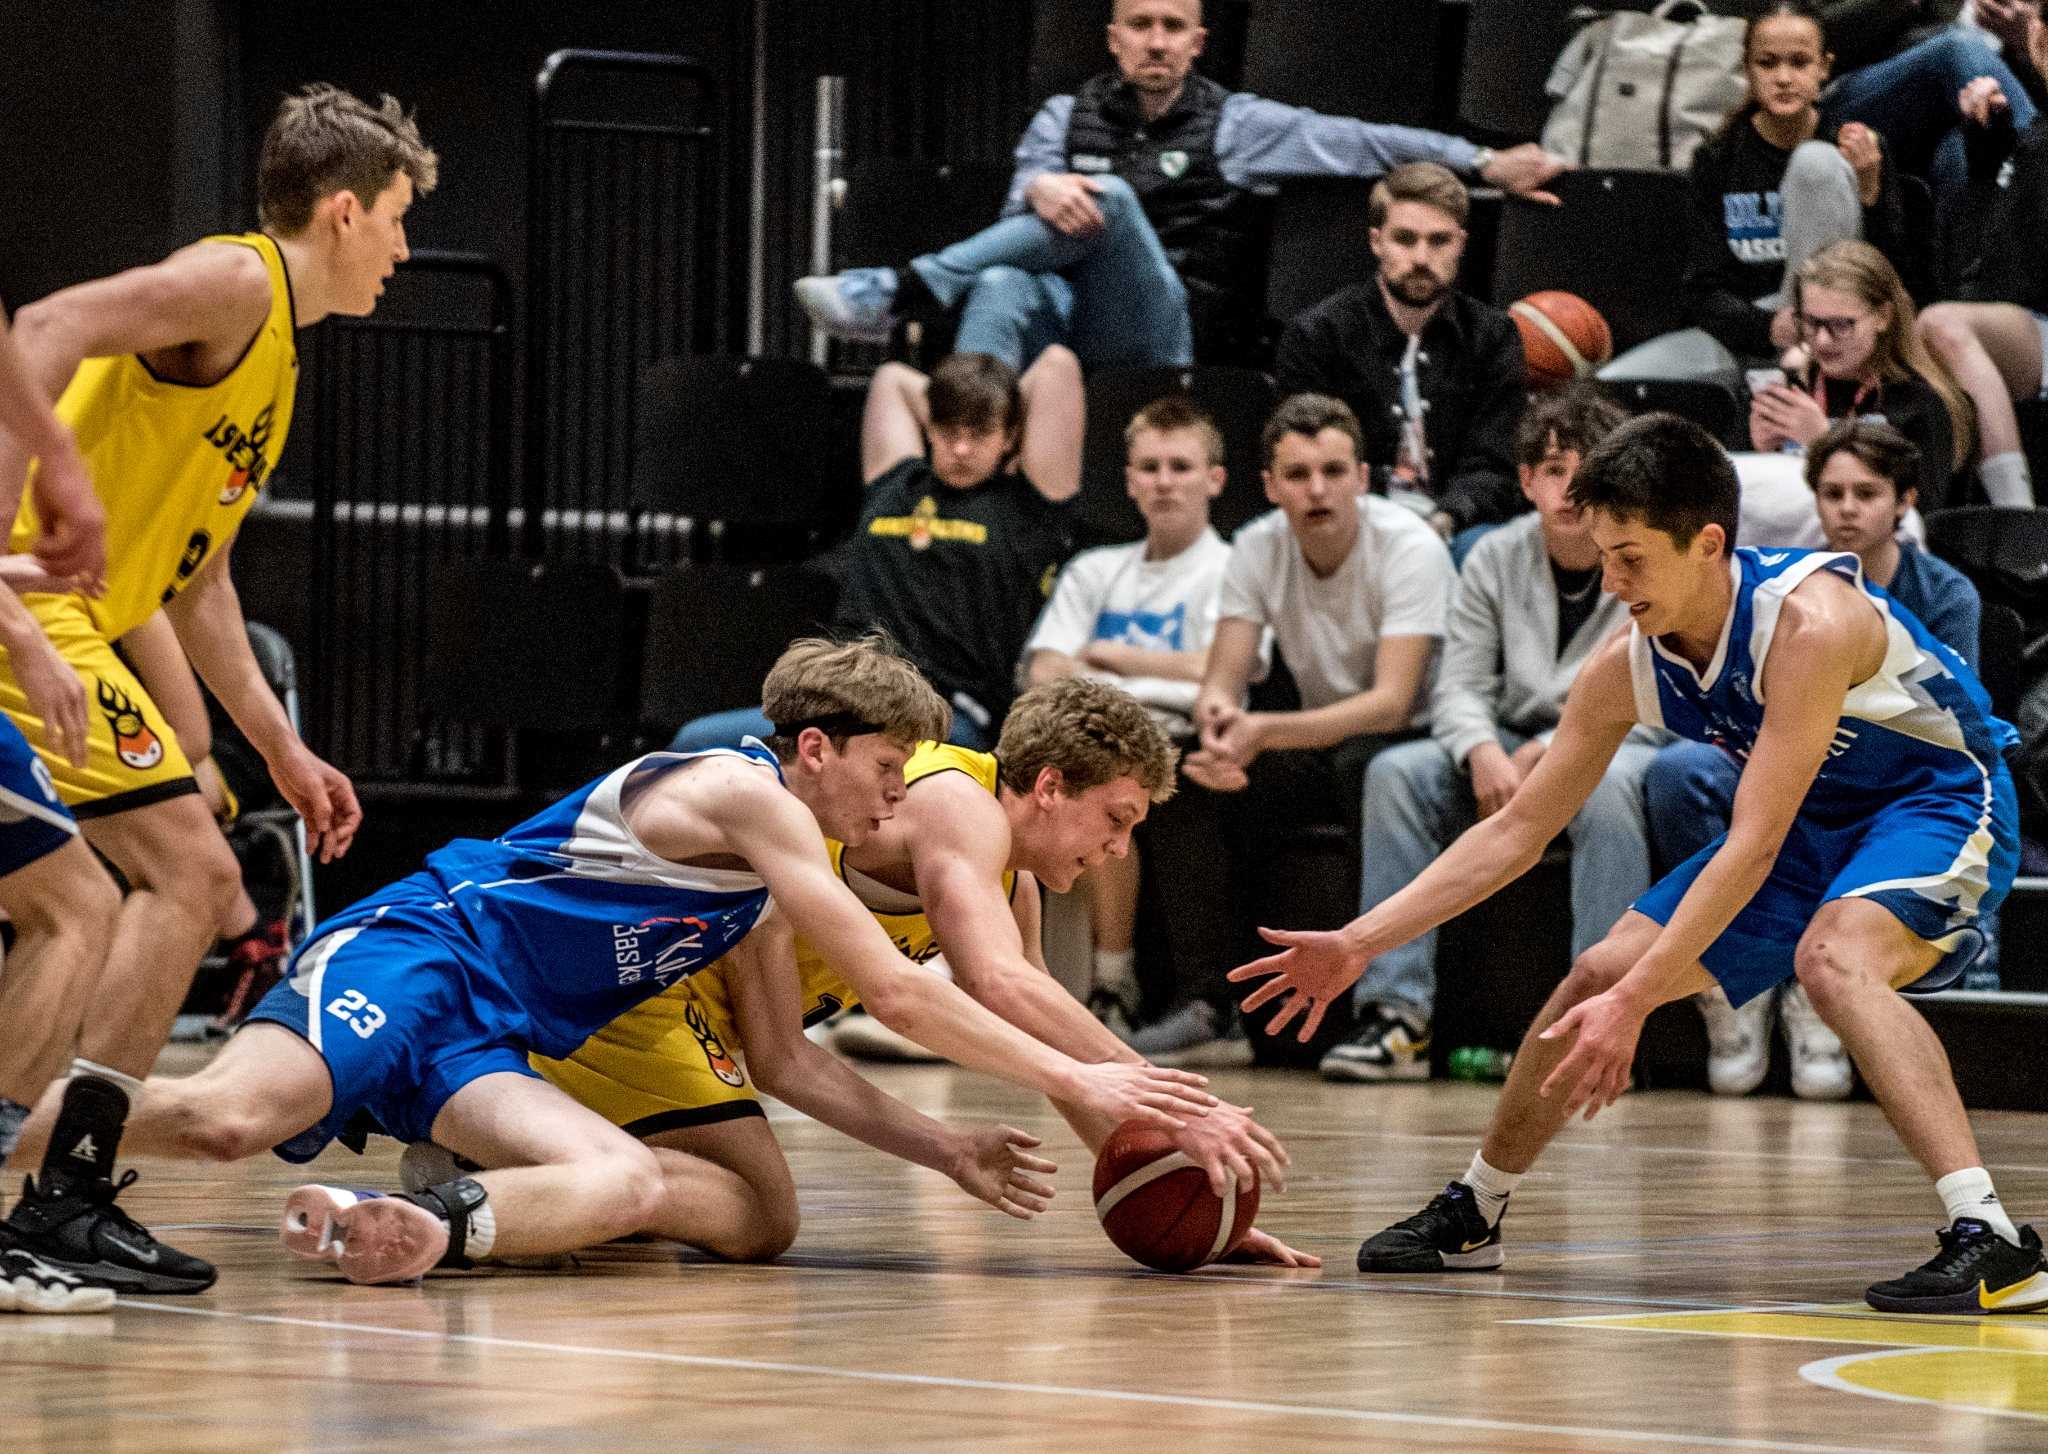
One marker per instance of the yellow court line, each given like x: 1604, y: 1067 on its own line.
x: 1848, y: 1323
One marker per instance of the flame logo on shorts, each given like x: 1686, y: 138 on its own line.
x: 134, y: 742
x: 722, y: 1065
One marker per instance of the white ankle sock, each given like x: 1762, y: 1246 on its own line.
x: 128, y: 1083
x: 1490, y: 1186
x: 483, y: 1232
x: 2006, y: 479
x: 1969, y: 1193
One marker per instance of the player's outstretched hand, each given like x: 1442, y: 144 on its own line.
x: 321, y: 794
x: 1260, y: 1250
x: 1124, y: 1090
x: 995, y: 1165
x: 1312, y: 969
x: 1595, y: 1071
x: 1228, y: 1142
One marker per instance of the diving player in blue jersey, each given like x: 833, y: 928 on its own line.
x: 417, y: 1007
x: 1875, y: 822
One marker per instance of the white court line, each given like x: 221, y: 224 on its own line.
x: 1825, y: 1374
x: 989, y: 1385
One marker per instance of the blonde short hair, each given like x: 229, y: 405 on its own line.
x: 1171, y: 413
x: 1092, y: 732
x: 324, y: 141
x: 849, y: 688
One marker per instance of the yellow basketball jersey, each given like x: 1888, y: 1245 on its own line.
x: 178, y: 465
x: 825, y: 991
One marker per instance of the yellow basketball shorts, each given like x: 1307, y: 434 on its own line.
x: 133, y: 758
x: 662, y: 1067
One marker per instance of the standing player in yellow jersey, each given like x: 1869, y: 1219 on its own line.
x: 956, y: 869
x: 178, y: 380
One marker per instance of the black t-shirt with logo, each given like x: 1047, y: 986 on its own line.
x: 956, y: 576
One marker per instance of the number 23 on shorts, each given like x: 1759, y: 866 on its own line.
x: 356, y: 1012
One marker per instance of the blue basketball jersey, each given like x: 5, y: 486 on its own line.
x: 568, y: 916
x: 1921, y: 723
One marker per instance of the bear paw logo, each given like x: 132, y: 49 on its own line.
x: 722, y: 1064
x: 134, y: 742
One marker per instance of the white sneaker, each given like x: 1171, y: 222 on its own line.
x: 1820, y: 1066
x: 863, y: 1037
x: 1738, y: 1041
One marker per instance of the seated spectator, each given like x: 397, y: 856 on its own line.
x: 1527, y: 613
x: 970, y: 477
x: 1135, y: 226
x: 1863, y: 475
x: 1775, y: 186
x: 1996, y: 338
x: 1434, y: 375
x: 1141, y: 616
x: 1916, y: 98
x: 1861, y: 357
x: 1353, y: 589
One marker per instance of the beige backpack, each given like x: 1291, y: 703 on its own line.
x: 1642, y: 91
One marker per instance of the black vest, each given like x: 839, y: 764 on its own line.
x: 1215, y: 234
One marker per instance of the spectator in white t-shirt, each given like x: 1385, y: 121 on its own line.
x: 1355, y: 591
x: 1141, y: 616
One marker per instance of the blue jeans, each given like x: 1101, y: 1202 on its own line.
x: 725, y: 729
x: 1911, y: 99
x: 1111, y: 296
x: 1417, y: 800
x: 1689, y: 796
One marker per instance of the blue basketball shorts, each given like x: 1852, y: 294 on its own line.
x: 404, y: 1013
x: 1937, y: 861
x: 33, y: 823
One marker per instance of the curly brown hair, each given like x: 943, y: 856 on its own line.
x: 1092, y: 732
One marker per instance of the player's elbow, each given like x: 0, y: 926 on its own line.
x: 899, y: 1006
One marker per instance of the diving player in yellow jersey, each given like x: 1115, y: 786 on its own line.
x: 957, y: 868
x: 178, y: 381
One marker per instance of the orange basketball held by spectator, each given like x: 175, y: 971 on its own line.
x: 1563, y: 337
x: 1156, y: 1205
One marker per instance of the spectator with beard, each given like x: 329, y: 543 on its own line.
x: 1434, y: 375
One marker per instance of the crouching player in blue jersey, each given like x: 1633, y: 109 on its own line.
x: 418, y: 1007
x: 1874, y: 824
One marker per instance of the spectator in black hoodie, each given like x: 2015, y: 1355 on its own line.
x: 1434, y: 375
x: 1774, y: 187
x: 1996, y: 340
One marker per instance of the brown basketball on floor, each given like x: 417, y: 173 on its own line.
x: 1563, y: 337
x: 1156, y: 1205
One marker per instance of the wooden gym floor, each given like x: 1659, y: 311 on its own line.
x: 1684, y: 1273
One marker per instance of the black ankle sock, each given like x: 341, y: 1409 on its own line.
x: 912, y: 294
x: 88, y: 1131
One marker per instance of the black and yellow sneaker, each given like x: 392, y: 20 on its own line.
x: 1976, y: 1271
x: 74, y: 1226
x: 1448, y: 1235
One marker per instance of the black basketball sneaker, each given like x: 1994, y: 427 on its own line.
x: 74, y: 1226
x: 1448, y: 1235
x: 1976, y: 1271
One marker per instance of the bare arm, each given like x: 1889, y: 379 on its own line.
x: 772, y: 831
x: 1045, y: 665
x: 1050, y: 451
x: 152, y: 649
x: 893, y: 420
x: 768, y: 1009
x: 207, y: 616
x: 73, y: 543
x: 1315, y: 967
x: 1126, y: 660
x: 1400, y: 667
x: 1233, y: 656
